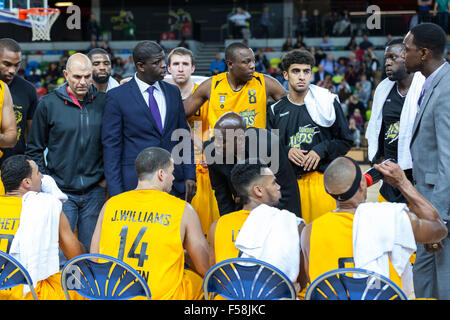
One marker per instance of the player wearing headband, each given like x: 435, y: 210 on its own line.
x: 327, y: 243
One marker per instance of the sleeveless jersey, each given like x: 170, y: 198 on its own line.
x: 2, y: 99
x: 9, y: 220
x: 200, y: 127
x: 331, y: 245
x: 249, y: 102
x: 142, y: 228
x: 227, y: 229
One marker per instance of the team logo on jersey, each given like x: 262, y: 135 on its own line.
x: 392, y: 133
x: 249, y: 117
x: 304, y: 136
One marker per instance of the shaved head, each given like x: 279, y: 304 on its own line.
x: 78, y: 60
x: 339, y: 175
x: 230, y: 120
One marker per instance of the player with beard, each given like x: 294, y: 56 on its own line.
x: 101, y: 70
x: 181, y: 65
x: 314, y: 130
x: 393, y: 112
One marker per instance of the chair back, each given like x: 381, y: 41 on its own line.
x: 247, y: 279
x: 12, y: 273
x: 109, y: 280
x: 341, y: 284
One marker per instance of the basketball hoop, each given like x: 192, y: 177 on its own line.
x: 42, y: 20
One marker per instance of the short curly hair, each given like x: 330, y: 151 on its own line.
x: 297, y: 56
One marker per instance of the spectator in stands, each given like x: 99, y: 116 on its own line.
x: 344, y: 92
x: 319, y: 75
x: 101, y: 70
x: 178, y: 233
x: 351, y: 45
x: 218, y: 65
x: 365, y: 43
x: 287, y: 45
x: 354, y: 103
x: 23, y: 186
x: 129, y: 69
x: 52, y: 74
x: 329, y: 64
x: 118, y: 67
x: 441, y: 10
x: 372, y: 65
x: 315, y: 24
x: 358, y: 119
x: 262, y: 63
x: 92, y: 45
x: 354, y: 62
x: 299, y: 44
x: 341, y: 65
x: 388, y: 39
x: 302, y: 23
x: 319, y: 55
x: 363, y: 89
x: 423, y: 9
x: 183, y: 43
x: 326, y: 82
x: 342, y: 27
x: 68, y: 122
x: 328, y: 21
x: 325, y: 45
x: 105, y: 46
x: 93, y: 28
x: 239, y: 20
x: 356, y: 133
x: 264, y: 23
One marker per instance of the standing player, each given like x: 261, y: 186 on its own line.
x: 241, y: 90
x: 181, y: 65
x: 101, y: 70
x: 394, y: 109
x: 314, y: 130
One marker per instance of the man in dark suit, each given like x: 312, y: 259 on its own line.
x: 319, y: 75
x: 144, y: 112
x: 430, y: 152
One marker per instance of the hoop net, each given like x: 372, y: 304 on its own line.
x: 42, y: 20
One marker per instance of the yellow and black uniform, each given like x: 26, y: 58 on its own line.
x: 142, y: 228
x: 298, y: 130
x: 2, y: 100
x: 48, y: 289
x: 331, y: 245
x: 204, y: 201
x: 227, y: 229
x: 249, y: 102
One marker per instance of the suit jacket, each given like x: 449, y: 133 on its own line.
x: 430, y: 144
x: 316, y: 78
x: 129, y: 127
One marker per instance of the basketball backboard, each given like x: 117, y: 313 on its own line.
x: 9, y: 10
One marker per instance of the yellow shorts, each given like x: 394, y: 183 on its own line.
x: 48, y: 289
x: 315, y: 201
x: 204, y: 201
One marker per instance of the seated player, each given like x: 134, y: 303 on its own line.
x: 149, y: 229
x: 328, y: 240
x: 255, y: 184
x: 21, y: 175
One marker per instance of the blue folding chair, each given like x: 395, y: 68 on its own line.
x: 12, y: 273
x: 109, y: 280
x: 339, y: 285
x: 247, y: 279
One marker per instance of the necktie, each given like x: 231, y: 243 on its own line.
x: 421, y: 97
x: 153, y: 105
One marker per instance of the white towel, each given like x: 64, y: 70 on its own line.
x: 407, y: 118
x: 271, y: 235
x: 383, y: 231
x: 49, y: 186
x: 36, y: 242
x: 320, y: 105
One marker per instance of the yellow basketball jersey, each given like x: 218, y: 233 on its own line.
x: 142, y: 228
x: 227, y: 229
x: 249, y: 102
x: 2, y: 99
x: 200, y: 128
x: 9, y: 220
x: 331, y: 245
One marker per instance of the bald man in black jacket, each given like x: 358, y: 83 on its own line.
x: 247, y: 143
